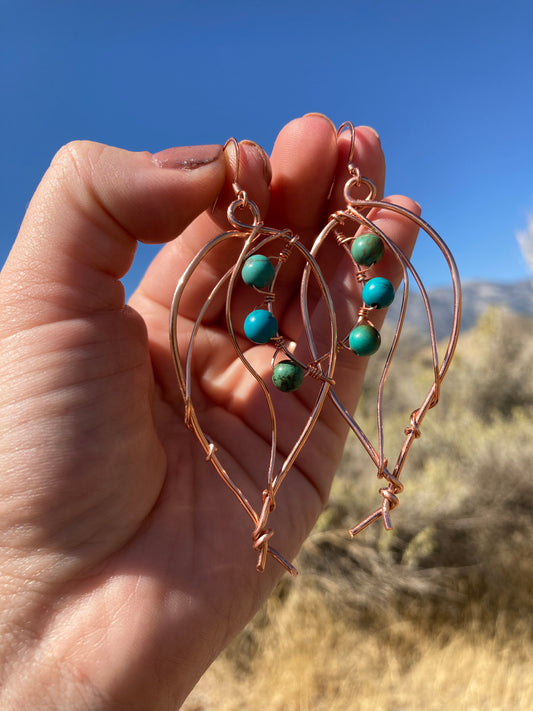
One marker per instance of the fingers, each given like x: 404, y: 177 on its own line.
x: 304, y: 161
x: 80, y: 232
x: 307, y: 160
x: 158, y: 285
x: 303, y: 165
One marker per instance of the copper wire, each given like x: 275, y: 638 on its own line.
x: 249, y: 229
x: 357, y: 210
x: 254, y: 236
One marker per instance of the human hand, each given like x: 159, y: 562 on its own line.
x: 126, y: 565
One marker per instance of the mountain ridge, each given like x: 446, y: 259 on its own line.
x: 478, y: 296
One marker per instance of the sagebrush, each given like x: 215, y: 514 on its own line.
x: 437, y: 613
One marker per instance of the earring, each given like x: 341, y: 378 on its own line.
x: 362, y: 338
x: 263, y: 254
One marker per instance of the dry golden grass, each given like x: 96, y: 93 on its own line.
x: 310, y: 659
x: 438, y: 613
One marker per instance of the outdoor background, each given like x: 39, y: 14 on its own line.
x: 438, y: 613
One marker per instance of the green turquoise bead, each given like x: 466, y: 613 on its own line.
x: 367, y: 249
x: 287, y: 376
x: 260, y: 326
x: 378, y: 292
x: 364, y: 340
x: 258, y: 271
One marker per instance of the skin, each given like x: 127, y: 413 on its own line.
x: 126, y: 565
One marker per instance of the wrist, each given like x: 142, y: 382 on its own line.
x: 31, y: 674
x: 32, y: 680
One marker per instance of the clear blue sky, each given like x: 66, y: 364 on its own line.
x: 448, y: 85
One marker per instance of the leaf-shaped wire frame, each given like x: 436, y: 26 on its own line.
x: 254, y: 236
x: 355, y: 212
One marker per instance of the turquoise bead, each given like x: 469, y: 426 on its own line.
x: 378, y: 292
x: 367, y: 249
x: 258, y: 271
x: 287, y: 375
x: 260, y: 326
x: 364, y: 340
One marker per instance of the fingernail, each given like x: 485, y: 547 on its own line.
x: 322, y: 116
x: 187, y: 157
x: 267, y: 170
x: 372, y: 130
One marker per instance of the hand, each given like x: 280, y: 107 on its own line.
x: 126, y: 564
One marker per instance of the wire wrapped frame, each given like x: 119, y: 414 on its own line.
x: 254, y: 238
x: 356, y: 213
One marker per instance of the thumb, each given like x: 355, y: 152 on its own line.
x: 80, y: 232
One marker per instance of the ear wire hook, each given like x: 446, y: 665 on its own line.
x: 352, y: 168
x: 241, y: 200
x: 239, y: 192
x: 356, y: 179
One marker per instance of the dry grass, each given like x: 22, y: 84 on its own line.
x: 438, y: 613
x: 312, y: 660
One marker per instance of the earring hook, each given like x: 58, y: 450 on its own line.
x: 236, y: 147
x: 352, y: 168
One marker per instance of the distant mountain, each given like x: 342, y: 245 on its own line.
x: 477, y: 297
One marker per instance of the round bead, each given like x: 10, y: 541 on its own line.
x: 287, y: 375
x: 378, y: 292
x: 258, y: 271
x: 367, y: 249
x: 260, y: 326
x: 364, y: 340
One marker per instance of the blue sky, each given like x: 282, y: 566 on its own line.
x: 448, y: 85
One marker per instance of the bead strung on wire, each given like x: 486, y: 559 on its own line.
x: 368, y: 249
x: 260, y: 326
x: 258, y: 271
x: 287, y: 375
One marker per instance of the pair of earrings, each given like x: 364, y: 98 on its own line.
x: 261, y: 258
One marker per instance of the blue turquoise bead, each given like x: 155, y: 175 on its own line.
x: 367, y: 249
x: 260, y: 326
x: 287, y: 376
x: 258, y: 271
x: 378, y: 292
x: 364, y: 340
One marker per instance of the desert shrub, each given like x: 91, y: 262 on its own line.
x: 493, y: 375
x: 463, y: 533
x: 438, y: 612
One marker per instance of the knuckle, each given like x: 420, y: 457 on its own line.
x: 76, y: 160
